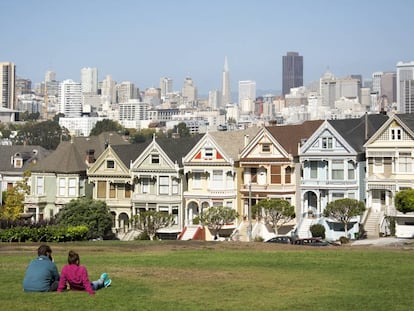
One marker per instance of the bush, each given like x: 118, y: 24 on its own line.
x: 317, y: 230
x: 344, y: 240
x: 43, y: 234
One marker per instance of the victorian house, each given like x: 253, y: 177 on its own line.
x: 61, y: 176
x: 390, y: 168
x: 213, y: 173
x: 333, y: 167
x: 270, y: 166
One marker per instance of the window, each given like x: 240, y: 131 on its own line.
x: 395, y: 134
x: 351, y: 170
x: 288, y: 173
x: 175, y: 214
x: 229, y: 180
x: 378, y: 165
x: 253, y: 174
x: 265, y: 147
x: 112, y: 189
x: 72, y: 187
x: 174, y: 186
x: 326, y: 142
x: 145, y: 184
x: 155, y: 158
x: 337, y: 196
x: 275, y: 177
x: 110, y: 164
x: 338, y: 170
x: 164, y: 185
x: 128, y: 189
x: 18, y: 163
x: 404, y: 162
x: 197, y: 180
x: 313, y: 169
x: 217, y: 180
x: 62, y: 186
x: 40, y: 185
x: 101, y: 189
x: 208, y: 153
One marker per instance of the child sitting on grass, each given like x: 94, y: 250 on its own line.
x: 77, y: 277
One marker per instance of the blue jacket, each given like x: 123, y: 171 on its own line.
x: 40, y: 274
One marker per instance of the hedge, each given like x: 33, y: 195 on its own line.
x: 44, y: 234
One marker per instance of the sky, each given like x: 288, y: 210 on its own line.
x: 141, y: 40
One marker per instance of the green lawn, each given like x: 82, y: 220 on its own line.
x: 180, y: 275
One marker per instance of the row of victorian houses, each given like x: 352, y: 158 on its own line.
x: 309, y: 164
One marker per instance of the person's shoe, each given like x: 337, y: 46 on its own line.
x: 107, y: 282
x: 104, y: 276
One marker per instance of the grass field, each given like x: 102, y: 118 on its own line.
x: 192, y: 275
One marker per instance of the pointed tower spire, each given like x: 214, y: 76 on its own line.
x: 225, y: 91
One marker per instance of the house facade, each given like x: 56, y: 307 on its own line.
x: 333, y: 167
x: 390, y: 168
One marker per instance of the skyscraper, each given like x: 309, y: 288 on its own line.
x: 405, y: 87
x: 70, y: 99
x: 89, y: 80
x: 225, y: 90
x: 7, y: 85
x: 189, y: 91
x: 166, y: 86
x: 247, y: 95
x: 292, y: 71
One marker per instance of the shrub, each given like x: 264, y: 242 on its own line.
x: 317, y: 230
x: 344, y: 240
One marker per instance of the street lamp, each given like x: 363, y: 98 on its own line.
x: 249, y: 213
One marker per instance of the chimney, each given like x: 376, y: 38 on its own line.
x: 90, y: 156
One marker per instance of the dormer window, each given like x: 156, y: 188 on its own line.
x: 18, y: 163
x: 396, y: 133
x: 326, y: 142
x: 208, y: 153
x: 265, y: 147
x: 110, y: 164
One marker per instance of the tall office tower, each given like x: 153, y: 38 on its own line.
x: 125, y: 91
x: 376, y: 82
x: 89, y: 80
x: 214, y: 98
x: 7, y: 85
x: 189, y: 91
x: 23, y: 86
x: 327, y: 89
x: 70, y: 99
x: 292, y: 71
x: 108, y: 89
x: 405, y: 89
x: 50, y: 76
x: 247, y: 96
x: 389, y: 87
x: 166, y: 86
x: 225, y: 89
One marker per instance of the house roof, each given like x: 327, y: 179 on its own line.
x: 177, y: 148
x: 290, y: 136
x: 30, y: 155
x: 408, y: 119
x: 357, y: 131
x: 70, y: 156
x: 128, y: 153
x: 232, y: 142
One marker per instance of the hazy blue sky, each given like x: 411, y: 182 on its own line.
x: 142, y: 40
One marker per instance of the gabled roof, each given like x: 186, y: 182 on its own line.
x: 70, y: 156
x: 407, y: 119
x: 129, y: 153
x: 30, y: 155
x: 291, y: 135
x: 357, y: 131
x: 177, y: 148
x: 232, y: 142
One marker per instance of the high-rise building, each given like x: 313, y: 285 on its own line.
x: 70, y: 99
x: 125, y: 91
x: 389, y: 87
x: 214, y: 98
x: 89, y: 80
x: 108, y: 89
x: 50, y: 76
x: 7, y: 85
x: 247, y: 90
x: 376, y: 82
x: 189, y: 91
x: 405, y: 87
x: 292, y: 75
x: 225, y: 89
x: 166, y: 86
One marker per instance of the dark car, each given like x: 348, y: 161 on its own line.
x: 280, y: 239
x: 311, y: 242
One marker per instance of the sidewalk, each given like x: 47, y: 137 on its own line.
x: 388, y: 241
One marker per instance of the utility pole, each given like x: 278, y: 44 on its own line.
x: 249, y: 228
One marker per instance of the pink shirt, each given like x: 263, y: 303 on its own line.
x: 77, y: 277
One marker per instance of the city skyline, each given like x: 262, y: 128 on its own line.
x: 142, y: 41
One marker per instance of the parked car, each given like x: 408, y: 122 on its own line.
x: 283, y: 239
x: 311, y: 242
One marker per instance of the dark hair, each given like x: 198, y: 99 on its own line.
x: 43, y: 250
x: 73, y: 258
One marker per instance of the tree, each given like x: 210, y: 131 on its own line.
x: 274, y: 212
x: 404, y: 201
x: 151, y: 221
x: 91, y: 213
x: 14, y: 198
x: 182, y: 129
x: 216, y: 217
x: 343, y: 210
x: 106, y: 125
